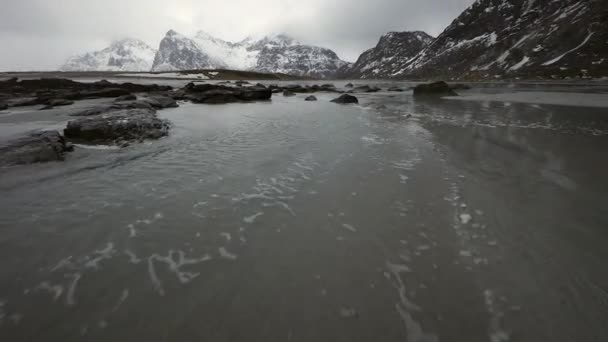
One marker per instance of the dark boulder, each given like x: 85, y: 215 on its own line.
x: 310, y: 98
x: 345, y: 99
x: 434, y: 89
x: 117, y: 126
x: 256, y: 93
x: 366, y: 89
x: 218, y: 94
x: 349, y: 85
x: 3, y: 106
x: 37, y: 147
x: 129, y: 97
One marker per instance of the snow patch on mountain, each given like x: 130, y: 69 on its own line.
x: 122, y: 55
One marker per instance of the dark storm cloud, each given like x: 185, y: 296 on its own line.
x: 40, y: 34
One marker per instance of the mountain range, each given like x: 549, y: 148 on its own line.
x: 490, y: 39
x: 276, y: 54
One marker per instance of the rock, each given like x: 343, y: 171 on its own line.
x: 254, y: 94
x: 101, y: 109
x: 240, y: 83
x: 277, y: 90
x: 310, y: 98
x: 397, y: 89
x: 296, y: 88
x: 434, y: 89
x: 57, y: 103
x: 288, y: 93
x: 118, y: 125
x: 129, y: 97
x: 345, y: 98
x: 380, y: 107
x: 3, y: 106
x: 37, y: 147
x: 217, y: 94
x: 349, y: 85
x: 160, y: 101
x: 367, y: 89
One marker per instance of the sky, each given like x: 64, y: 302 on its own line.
x: 42, y: 34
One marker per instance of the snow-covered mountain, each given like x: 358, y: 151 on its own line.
x: 526, y: 38
x: 275, y: 53
x: 393, y: 52
x: 178, y: 52
x: 122, y: 55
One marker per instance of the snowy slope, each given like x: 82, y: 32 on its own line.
x: 178, y: 52
x: 234, y: 55
x: 393, y: 52
x: 526, y: 38
x: 273, y: 53
x: 123, y: 55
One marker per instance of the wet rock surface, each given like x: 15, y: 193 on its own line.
x: 434, y: 89
x: 345, y: 99
x: 311, y: 98
x: 116, y: 126
x: 36, y: 147
x: 219, y: 94
x: 55, y: 91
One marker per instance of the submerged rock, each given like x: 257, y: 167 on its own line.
x: 396, y: 89
x: 117, y: 125
x: 57, y: 103
x: 434, y: 89
x: 37, y: 147
x: 345, y: 98
x: 311, y: 98
x: 288, y: 93
x: 460, y: 86
x: 160, y: 101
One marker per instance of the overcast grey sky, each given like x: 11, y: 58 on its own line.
x: 41, y: 34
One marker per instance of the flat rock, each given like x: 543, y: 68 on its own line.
x: 36, y: 147
x: 311, y: 98
x: 345, y: 99
x: 434, y: 89
x: 366, y: 89
x: 129, y: 97
x: 57, y: 103
x: 219, y: 94
x: 120, y: 125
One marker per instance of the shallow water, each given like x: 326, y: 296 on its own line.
x: 310, y: 221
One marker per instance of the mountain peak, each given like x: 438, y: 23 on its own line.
x: 127, y: 54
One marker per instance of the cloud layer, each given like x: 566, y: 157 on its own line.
x: 41, y: 34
